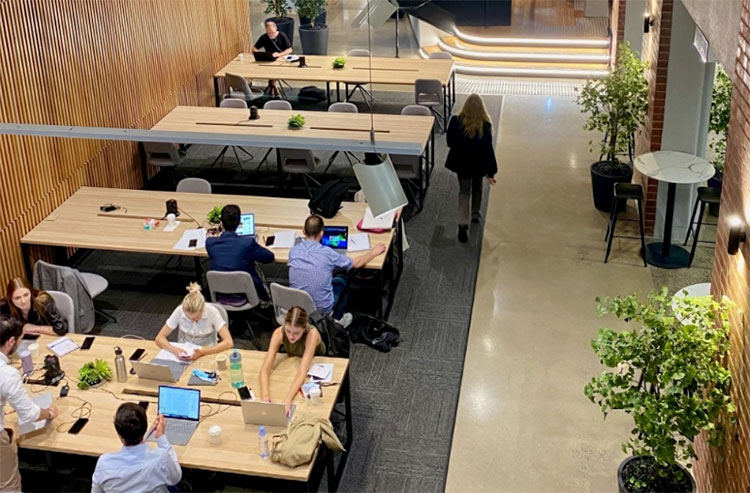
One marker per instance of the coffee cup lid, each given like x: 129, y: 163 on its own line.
x: 214, y: 430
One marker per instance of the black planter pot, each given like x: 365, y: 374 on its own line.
x: 305, y: 21
x: 284, y: 25
x: 685, y: 485
x: 603, y: 178
x: 715, y: 182
x: 314, y: 41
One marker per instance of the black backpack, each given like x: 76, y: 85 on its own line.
x: 311, y: 94
x: 374, y: 332
x: 326, y: 201
x: 332, y: 333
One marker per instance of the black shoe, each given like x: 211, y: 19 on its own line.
x: 463, y: 233
x: 475, y: 218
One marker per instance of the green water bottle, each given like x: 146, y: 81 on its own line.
x: 235, y: 369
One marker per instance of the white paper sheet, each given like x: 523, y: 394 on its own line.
x: 44, y: 401
x: 358, y: 242
x: 384, y: 221
x: 62, y: 346
x: 283, y: 239
x: 191, y: 234
x: 321, y: 372
x: 188, y: 347
x: 171, y: 227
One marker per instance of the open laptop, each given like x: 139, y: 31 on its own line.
x: 263, y: 56
x: 265, y: 413
x: 159, y: 369
x: 336, y: 237
x: 247, y: 225
x: 182, y: 408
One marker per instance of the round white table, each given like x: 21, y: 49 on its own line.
x: 673, y: 168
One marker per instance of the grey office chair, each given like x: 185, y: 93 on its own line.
x: 284, y: 298
x: 234, y: 283
x: 441, y: 55
x: 429, y: 93
x: 194, y: 185
x: 410, y: 167
x: 64, y: 304
x: 222, y: 312
x: 232, y: 103
x: 240, y: 89
x: 300, y: 162
x: 274, y: 104
x: 342, y: 108
x: 164, y: 155
x: 366, y: 95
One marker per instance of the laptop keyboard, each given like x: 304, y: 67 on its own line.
x: 179, y: 427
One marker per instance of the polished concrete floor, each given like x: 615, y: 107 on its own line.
x: 523, y: 422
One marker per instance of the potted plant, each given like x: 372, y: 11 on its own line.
x: 295, y: 122
x: 312, y: 35
x: 284, y: 23
x: 94, y: 373
x: 718, y: 123
x: 616, y: 106
x: 338, y: 62
x: 214, y: 219
x: 667, y: 373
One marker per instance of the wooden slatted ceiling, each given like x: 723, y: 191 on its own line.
x: 113, y: 63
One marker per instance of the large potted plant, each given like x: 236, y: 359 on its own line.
x: 718, y: 123
x: 616, y: 106
x: 313, y: 36
x: 667, y: 373
x: 284, y: 23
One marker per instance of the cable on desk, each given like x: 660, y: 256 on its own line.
x: 211, y: 412
x: 132, y: 336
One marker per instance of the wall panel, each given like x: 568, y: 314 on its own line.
x: 111, y: 63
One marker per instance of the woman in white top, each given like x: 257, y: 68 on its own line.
x: 198, y: 323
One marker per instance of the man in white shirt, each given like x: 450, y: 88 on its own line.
x: 12, y: 391
x: 137, y: 467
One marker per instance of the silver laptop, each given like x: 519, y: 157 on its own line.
x: 159, y: 369
x: 182, y: 408
x: 265, y: 413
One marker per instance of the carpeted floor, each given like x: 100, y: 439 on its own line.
x: 404, y: 401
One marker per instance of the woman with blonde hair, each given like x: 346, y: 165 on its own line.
x: 35, y: 309
x: 197, y: 322
x: 299, y: 339
x: 472, y: 158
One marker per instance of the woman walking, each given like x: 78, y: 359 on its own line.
x: 472, y: 158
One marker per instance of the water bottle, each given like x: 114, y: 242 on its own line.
x: 235, y: 369
x: 122, y: 371
x: 263, y: 443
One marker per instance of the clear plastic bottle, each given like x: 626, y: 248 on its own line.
x: 265, y: 452
x: 235, y: 369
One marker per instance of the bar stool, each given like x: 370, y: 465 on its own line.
x: 625, y: 192
x: 706, y: 195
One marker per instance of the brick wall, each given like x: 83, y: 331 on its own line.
x: 656, y: 52
x: 729, y: 469
x: 616, y: 27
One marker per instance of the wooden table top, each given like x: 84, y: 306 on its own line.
x: 357, y: 69
x: 238, y: 452
x: 398, y: 134
x: 79, y: 223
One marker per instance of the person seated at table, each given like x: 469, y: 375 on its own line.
x: 299, y: 339
x: 231, y: 252
x: 137, y: 467
x: 277, y: 44
x: 35, y: 309
x: 197, y: 322
x: 312, y: 267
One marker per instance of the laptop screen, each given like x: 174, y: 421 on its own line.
x: 335, y: 237
x: 177, y: 402
x: 247, y: 225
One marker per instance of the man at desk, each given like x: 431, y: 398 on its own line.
x: 276, y: 43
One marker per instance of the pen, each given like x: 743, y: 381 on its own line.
x: 150, y: 433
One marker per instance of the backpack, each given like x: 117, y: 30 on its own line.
x: 332, y: 334
x: 311, y: 94
x: 326, y: 200
x: 376, y: 333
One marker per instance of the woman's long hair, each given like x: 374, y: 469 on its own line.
x: 38, y: 298
x: 473, y: 116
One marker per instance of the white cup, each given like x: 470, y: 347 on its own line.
x: 34, y: 350
x: 171, y: 219
x: 221, y: 361
x: 315, y: 396
x: 214, y: 435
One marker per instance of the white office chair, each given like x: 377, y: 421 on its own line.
x: 240, y: 89
x: 366, y: 95
x: 96, y: 285
x: 222, y: 312
x: 232, y: 103
x: 234, y: 283
x: 429, y: 93
x: 194, y: 185
x: 284, y: 298
x: 164, y: 155
x: 274, y: 104
x: 64, y: 304
x: 342, y: 108
x: 411, y: 167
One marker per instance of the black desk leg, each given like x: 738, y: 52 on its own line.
x: 217, y: 96
x: 198, y: 270
x: 453, y: 89
x: 338, y: 94
x: 445, y: 108
x: 279, y: 171
x: 27, y: 265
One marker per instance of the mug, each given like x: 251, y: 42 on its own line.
x: 34, y: 350
x: 221, y: 361
x: 214, y: 435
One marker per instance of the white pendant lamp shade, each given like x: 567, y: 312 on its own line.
x: 381, y: 186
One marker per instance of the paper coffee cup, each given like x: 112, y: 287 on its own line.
x: 214, y: 435
x: 221, y: 361
x: 34, y: 350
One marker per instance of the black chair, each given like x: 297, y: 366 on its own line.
x: 706, y: 195
x: 623, y: 193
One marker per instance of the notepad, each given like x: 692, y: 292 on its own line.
x: 283, y: 239
x: 62, y: 346
x: 358, y: 242
x: 383, y: 221
x: 44, y: 401
x: 321, y: 372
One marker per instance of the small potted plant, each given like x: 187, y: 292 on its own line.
x: 667, y: 373
x: 616, y: 106
x: 312, y: 34
x: 718, y: 123
x: 214, y: 220
x: 338, y: 62
x: 94, y: 373
x: 296, y: 122
x: 284, y: 23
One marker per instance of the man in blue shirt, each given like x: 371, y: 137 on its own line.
x: 231, y: 252
x: 312, y: 267
x: 137, y: 467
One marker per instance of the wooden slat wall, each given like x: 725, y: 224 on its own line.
x: 109, y: 63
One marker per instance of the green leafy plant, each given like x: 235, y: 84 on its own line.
x: 719, y: 119
x: 310, y: 9
x: 667, y: 373
x: 296, y: 122
x: 338, y: 62
x: 214, y: 215
x: 276, y: 7
x: 616, y: 105
x: 92, y: 373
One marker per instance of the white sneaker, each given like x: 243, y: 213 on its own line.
x: 345, y: 320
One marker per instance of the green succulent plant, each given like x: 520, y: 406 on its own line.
x: 338, y: 62
x: 296, y: 122
x: 93, y: 373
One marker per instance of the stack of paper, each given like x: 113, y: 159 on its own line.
x: 383, y: 221
x: 321, y: 372
x: 187, y: 347
x: 199, y: 235
x: 283, y: 239
x: 62, y: 346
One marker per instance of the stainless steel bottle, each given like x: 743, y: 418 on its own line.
x: 120, y: 368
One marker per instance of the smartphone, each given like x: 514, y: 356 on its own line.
x: 32, y: 337
x: 270, y: 240
x: 244, y: 392
x: 143, y: 404
x: 87, y: 342
x: 137, y: 354
x: 64, y: 391
x: 78, y: 426
x: 193, y: 243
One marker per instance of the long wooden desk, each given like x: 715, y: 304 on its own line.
x: 78, y: 223
x: 238, y: 452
